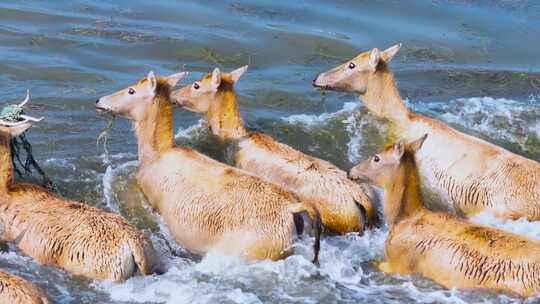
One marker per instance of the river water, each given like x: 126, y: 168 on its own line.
x: 473, y: 65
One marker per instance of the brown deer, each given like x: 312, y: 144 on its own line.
x: 206, y: 205
x: 439, y: 246
x: 15, y: 290
x: 81, y: 239
x: 472, y: 175
x: 341, y: 202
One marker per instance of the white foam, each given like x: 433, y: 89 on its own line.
x: 521, y: 226
x: 536, y: 129
x: 352, y: 123
x: 356, y: 125
x: 108, y: 178
x: 498, y: 118
x: 191, y: 131
x: 353, y: 146
x: 66, y: 163
x: 107, y: 182
x: 314, y: 120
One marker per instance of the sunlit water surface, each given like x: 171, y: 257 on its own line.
x: 474, y: 66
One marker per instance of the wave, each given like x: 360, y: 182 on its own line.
x: 347, y: 273
x: 498, y: 119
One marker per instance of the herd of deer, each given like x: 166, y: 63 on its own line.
x: 271, y: 193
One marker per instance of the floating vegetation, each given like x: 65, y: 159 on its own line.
x: 122, y: 35
x: 14, y: 114
x: 17, y: 145
x: 104, y: 136
x: 326, y: 53
x: 38, y: 40
x: 427, y: 53
x: 220, y: 60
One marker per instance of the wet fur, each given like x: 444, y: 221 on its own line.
x: 453, y: 252
x: 15, y: 290
x: 209, y: 206
x: 341, y: 203
x: 81, y: 239
x: 472, y: 175
x: 479, y: 176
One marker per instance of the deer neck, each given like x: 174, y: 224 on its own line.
x: 403, y: 198
x: 223, y: 116
x: 155, y: 130
x: 382, y: 96
x: 6, y: 165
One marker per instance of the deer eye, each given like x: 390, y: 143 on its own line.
x: 196, y: 86
x: 131, y: 91
x: 376, y: 158
x: 352, y: 65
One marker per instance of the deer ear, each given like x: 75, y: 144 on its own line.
x: 216, y: 79
x: 398, y: 149
x: 173, y: 79
x: 152, y: 81
x: 374, y: 58
x: 390, y: 52
x: 417, y: 144
x: 236, y: 74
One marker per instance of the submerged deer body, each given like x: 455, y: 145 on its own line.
x: 471, y: 174
x: 79, y: 238
x: 439, y: 246
x: 317, y: 182
x: 207, y: 205
x: 15, y: 290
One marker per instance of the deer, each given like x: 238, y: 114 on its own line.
x: 344, y: 206
x: 207, y: 206
x: 16, y: 290
x: 74, y: 236
x: 440, y: 246
x: 470, y: 175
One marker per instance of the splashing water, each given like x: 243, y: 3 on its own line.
x: 104, y: 137
x: 497, y: 119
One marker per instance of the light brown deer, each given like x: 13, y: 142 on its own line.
x: 472, y: 175
x: 81, y: 239
x: 318, y: 182
x: 439, y: 246
x: 15, y: 290
x: 206, y: 205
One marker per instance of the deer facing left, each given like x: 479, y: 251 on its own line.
x: 79, y: 238
x: 207, y: 205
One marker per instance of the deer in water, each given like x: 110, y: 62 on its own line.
x: 206, y: 205
x: 81, y: 239
x: 472, y: 175
x: 344, y: 205
x: 15, y: 290
x: 440, y: 246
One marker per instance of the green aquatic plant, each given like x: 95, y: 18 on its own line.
x: 12, y: 113
x: 104, y: 135
x: 218, y: 59
x: 20, y: 145
x: 17, y: 145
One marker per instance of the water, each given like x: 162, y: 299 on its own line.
x: 475, y: 66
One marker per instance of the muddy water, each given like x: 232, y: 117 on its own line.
x: 474, y: 66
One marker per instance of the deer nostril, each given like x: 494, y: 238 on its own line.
x: 97, y: 101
